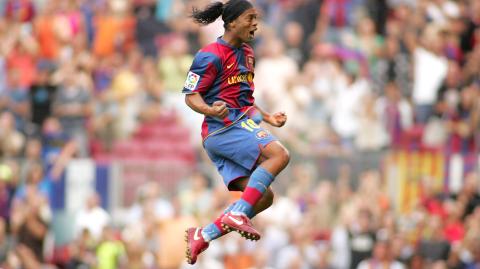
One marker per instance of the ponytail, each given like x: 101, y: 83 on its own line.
x: 229, y: 12
x: 209, y: 14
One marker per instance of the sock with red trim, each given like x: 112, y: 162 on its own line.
x: 256, y: 187
x: 215, y: 230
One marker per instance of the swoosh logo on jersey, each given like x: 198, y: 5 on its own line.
x: 238, y: 222
x: 230, y: 65
x: 195, y: 236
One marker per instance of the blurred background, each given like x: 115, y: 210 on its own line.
x: 102, y: 164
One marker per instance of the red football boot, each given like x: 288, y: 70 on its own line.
x: 240, y: 224
x: 195, y: 244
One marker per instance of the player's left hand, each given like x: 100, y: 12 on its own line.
x: 277, y: 119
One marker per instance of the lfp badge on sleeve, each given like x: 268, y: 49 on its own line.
x: 192, y: 81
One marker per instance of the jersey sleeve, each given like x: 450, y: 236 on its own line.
x: 202, y: 74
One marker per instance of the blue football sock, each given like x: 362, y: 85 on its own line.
x: 257, y: 185
x: 214, y: 230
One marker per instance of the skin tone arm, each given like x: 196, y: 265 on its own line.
x: 219, y: 109
x: 195, y: 101
x: 277, y: 119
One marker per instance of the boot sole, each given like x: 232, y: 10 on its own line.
x: 188, y: 253
x: 246, y: 235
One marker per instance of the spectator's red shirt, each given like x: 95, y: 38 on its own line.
x: 454, y: 232
x: 25, y: 64
x: 19, y: 10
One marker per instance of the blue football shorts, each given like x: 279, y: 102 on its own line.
x: 235, y: 150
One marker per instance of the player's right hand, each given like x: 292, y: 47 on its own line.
x: 219, y: 109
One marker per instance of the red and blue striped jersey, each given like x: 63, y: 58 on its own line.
x: 222, y: 72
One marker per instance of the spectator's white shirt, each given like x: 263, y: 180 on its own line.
x: 369, y: 264
x: 441, y: 13
x: 283, y: 213
x: 94, y: 220
x: 163, y: 210
x: 430, y: 71
x: 273, y: 240
x: 327, y: 80
x: 292, y: 256
x: 272, y: 78
x: 340, y: 248
x: 345, y: 118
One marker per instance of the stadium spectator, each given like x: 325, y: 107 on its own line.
x: 30, y: 219
x: 92, y: 218
x: 381, y: 257
x: 428, y: 58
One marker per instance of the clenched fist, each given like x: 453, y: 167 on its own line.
x: 218, y: 109
x: 277, y: 119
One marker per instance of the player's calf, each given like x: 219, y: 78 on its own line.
x: 265, y: 202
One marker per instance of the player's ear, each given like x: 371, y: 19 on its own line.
x: 228, y: 26
x: 232, y: 25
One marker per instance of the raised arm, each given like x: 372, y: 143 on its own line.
x: 277, y: 119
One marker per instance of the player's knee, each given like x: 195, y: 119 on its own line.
x: 284, y: 156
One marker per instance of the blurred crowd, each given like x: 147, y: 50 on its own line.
x: 354, y: 76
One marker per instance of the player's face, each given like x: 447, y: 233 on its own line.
x: 246, y: 25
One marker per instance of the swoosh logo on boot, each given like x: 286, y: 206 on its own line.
x: 238, y: 222
x: 195, y: 236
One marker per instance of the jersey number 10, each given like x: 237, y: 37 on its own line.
x: 250, y: 125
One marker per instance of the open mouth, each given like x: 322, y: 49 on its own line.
x: 252, y: 33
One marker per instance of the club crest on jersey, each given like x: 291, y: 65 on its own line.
x: 192, y: 81
x: 250, y: 62
x: 261, y: 134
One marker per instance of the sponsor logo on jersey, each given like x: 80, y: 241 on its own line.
x: 240, y: 78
